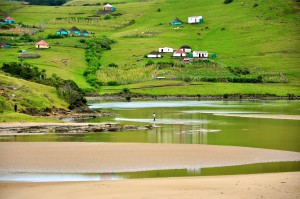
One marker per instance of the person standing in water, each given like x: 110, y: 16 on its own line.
x: 154, y: 116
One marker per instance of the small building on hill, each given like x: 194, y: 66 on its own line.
x: 74, y: 31
x: 109, y: 7
x: 176, y: 22
x: 84, y: 33
x: 154, y: 54
x: 62, y: 31
x: 179, y: 53
x: 195, y: 19
x: 186, y: 48
x: 200, y: 54
x: 42, y: 45
x: 9, y: 20
x: 165, y: 50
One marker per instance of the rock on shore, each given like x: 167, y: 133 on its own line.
x: 70, y: 128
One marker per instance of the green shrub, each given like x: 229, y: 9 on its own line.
x: 228, y: 1
x: 112, y: 83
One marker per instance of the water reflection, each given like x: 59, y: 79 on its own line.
x: 189, y: 171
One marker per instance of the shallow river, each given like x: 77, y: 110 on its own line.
x: 194, y: 122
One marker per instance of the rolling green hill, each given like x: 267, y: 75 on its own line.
x: 260, y: 35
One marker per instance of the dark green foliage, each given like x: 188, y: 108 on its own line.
x: 22, y: 70
x: 94, y: 48
x: 7, y: 26
x: 149, y: 63
x: 9, y: 34
x: 239, y: 71
x: 82, y: 41
x: 228, y: 1
x: 158, y: 10
x: 67, y: 89
x: 255, y: 5
x: 113, y: 83
x: 55, y: 36
x: 290, y: 96
x: 187, y: 79
x: 47, y: 2
x: 71, y: 93
x: 128, y: 98
x: 106, y: 17
x: 26, y: 37
x: 225, y: 96
x: 126, y: 90
x: 113, y: 65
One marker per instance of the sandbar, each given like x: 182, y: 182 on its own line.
x: 264, y: 116
x: 275, y: 186
x: 97, y: 157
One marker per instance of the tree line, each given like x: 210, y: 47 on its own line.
x: 47, y: 2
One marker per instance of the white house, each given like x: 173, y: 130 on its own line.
x: 154, y: 54
x: 195, y: 19
x: 200, y: 54
x: 166, y: 50
x: 186, y: 48
x: 179, y: 53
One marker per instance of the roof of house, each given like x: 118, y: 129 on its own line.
x: 9, y: 18
x: 185, y: 47
x: 108, y: 5
x: 83, y: 31
x: 177, y: 20
x: 62, y: 29
x: 179, y: 51
x: 42, y: 42
x: 74, y: 29
x: 154, y: 53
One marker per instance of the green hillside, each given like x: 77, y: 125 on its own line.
x: 259, y: 35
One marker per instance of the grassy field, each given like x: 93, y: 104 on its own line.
x: 28, y: 94
x: 263, y: 38
x: 171, y: 87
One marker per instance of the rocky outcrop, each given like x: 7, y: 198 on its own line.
x: 68, y: 128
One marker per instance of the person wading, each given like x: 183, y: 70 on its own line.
x: 154, y: 116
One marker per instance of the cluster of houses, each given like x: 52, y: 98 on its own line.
x: 191, y: 20
x: 7, y: 20
x: 73, y: 32
x: 184, y: 51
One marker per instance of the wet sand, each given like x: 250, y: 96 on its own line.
x: 265, y: 116
x: 275, y: 186
x: 76, y: 157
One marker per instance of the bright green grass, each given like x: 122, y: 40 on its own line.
x: 30, y: 94
x: 264, y: 38
x: 13, y: 117
x: 165, y: 87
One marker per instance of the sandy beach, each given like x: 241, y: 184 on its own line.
x: 85, y: 157
x: 275, y: 186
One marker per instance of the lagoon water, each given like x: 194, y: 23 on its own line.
x: 193, y: 122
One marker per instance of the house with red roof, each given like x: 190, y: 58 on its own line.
x: 9, y: 20
x: 179, y: 53
x: 42, y: 45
